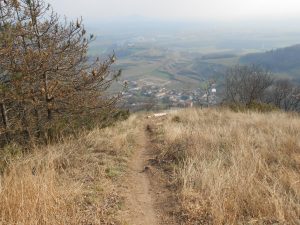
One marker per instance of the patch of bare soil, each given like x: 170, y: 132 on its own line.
x: 148, y: 197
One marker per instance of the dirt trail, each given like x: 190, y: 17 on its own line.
x: 139, y: 199
x: 146, y: 196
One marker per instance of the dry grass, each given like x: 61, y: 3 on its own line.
x: 230, y: 168
x: 234, y: 168
x: 74, y: 182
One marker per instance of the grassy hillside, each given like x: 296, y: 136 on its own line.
x: 233, y: 168
x: 73, y: 182
x: 221, y: 167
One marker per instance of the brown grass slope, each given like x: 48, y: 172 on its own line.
x: 233, y: 168
x: 228, y: 168
x: 74, y: 182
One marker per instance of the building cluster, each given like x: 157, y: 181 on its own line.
x: 149, y: 95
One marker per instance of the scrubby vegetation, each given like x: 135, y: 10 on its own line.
x: 73, y: 182
x: 253, y: 87
x: 224, y: 167
x: 233, y: 168
x: 48, y: 84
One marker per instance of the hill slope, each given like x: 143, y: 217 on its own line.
x: 210, y: 166
x: 279, y: 60
x: 233, y: 168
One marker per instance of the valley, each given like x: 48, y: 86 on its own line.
x: 184, y: 62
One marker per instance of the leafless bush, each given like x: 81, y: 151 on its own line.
x: 246, y: 84
x: 285, y: 95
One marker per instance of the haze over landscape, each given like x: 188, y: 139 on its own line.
x: 150, y: 112
x: 183, y: 45
x: 195, y: 10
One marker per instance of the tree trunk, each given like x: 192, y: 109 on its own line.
x: 5, y: 121
x: 47, y: 97
x: 4, y: 115
x: 26, y: 125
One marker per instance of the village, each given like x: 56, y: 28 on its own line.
x: 148, y: 96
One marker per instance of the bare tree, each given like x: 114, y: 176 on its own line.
x: 279, y: 91
x: 284, y: 95
x: 246, y: 84
x: 292, y: 102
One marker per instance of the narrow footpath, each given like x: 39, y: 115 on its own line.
x: 147, y: 197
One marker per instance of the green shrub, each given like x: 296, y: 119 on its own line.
x: 8, y: 154
x: 262, y: 107
x: 254, y: 106
x: 176, y: 119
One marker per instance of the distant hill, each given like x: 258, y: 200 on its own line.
x: 279, y: 60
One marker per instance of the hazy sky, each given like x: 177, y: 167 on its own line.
x: 179, y: 9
